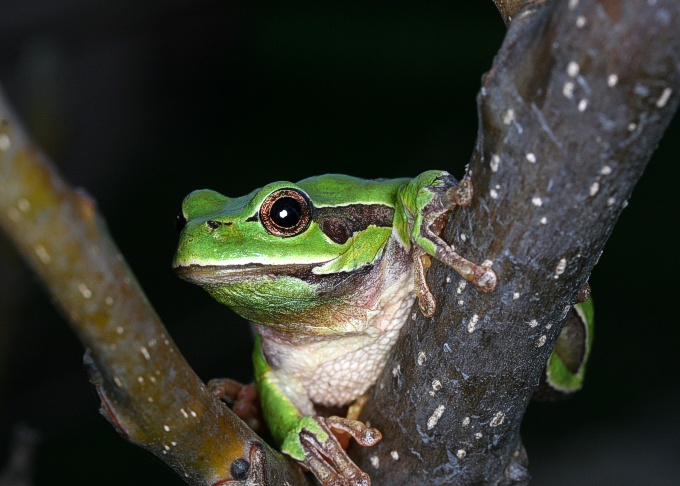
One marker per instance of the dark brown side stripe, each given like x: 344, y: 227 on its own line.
x: 339, y: 223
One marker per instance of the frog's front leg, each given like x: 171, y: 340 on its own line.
x: 309, y: 438
x: 428, y: 200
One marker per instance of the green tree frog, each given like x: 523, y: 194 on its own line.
x: 327, y: 270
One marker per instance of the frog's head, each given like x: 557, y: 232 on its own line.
x: 283, y: 249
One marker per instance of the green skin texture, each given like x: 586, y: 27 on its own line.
x: 241, y: 245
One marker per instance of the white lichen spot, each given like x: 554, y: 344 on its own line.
x: 612, y: 79
x: 13, y: 214
x: 5, y: 142
x: 460, y: 453
x: 166, y: 428
x: 461, y: 286
x: 487, y: 263
x: 395, y: 455
x: 140, y: 380
x: 495, y: 163
x: 436, y: 386
x: 478, y: 435
x: 396, y: 370
x: 434, y: 418
x: 461, y: 302
x: 472, y: 324
x: 568, y: 90
x: 594, y: 188
x: 24, y: 205
x: 663, y: 99
x: 580, y: 21
x: 548, y: 326
x: 531, y: 157
x: 84, y: 291
x: 145, y: 353
x: 582, y: 105
x: 533, y: 323
x: 565, y: 311
x: 173, y: 443
x: 541, y: 341
x: 509, y: 116
x: 422, y: 357
x: 605, y: 170
x: 632, y: 126
x: 42, y: 254
x: 463, y: 237
x: 515, y: 296
x: 184, y: 413
x: 497, y: 419
x: 493, y: 193
x: 611, y: 201
x: 573, y: 69
x: 544, y: 220
x: 152, y: 379
x: 466, y: 421
x: 149, y: 399
x: 193, y: 414
x: 117, y: 381
x: 573, y: 4
x: 537, y: 201
x: 560, y: 268
x: 120, y: 330
x: 375, y: 461
x: 448, y: 279
x: 108, y: 300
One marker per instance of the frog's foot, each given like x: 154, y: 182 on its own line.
x: 444, y: 196
x: 313, y: 444
x: 481, y: 276
x: 243, y: 398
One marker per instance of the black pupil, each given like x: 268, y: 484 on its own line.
x: 286, y: 212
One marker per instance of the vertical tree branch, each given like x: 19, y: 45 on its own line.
x: 577, y: 100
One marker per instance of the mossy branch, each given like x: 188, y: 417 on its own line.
x: 148, y: 391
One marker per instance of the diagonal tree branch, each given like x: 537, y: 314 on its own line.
x: 148, y: 391
x: 578, y: 98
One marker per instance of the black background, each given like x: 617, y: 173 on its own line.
x: 141, y: 103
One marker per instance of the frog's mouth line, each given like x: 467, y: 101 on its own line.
x: 224, y: 274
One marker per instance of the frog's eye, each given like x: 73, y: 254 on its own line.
x: 286, y: 212
x: 180, y: 221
